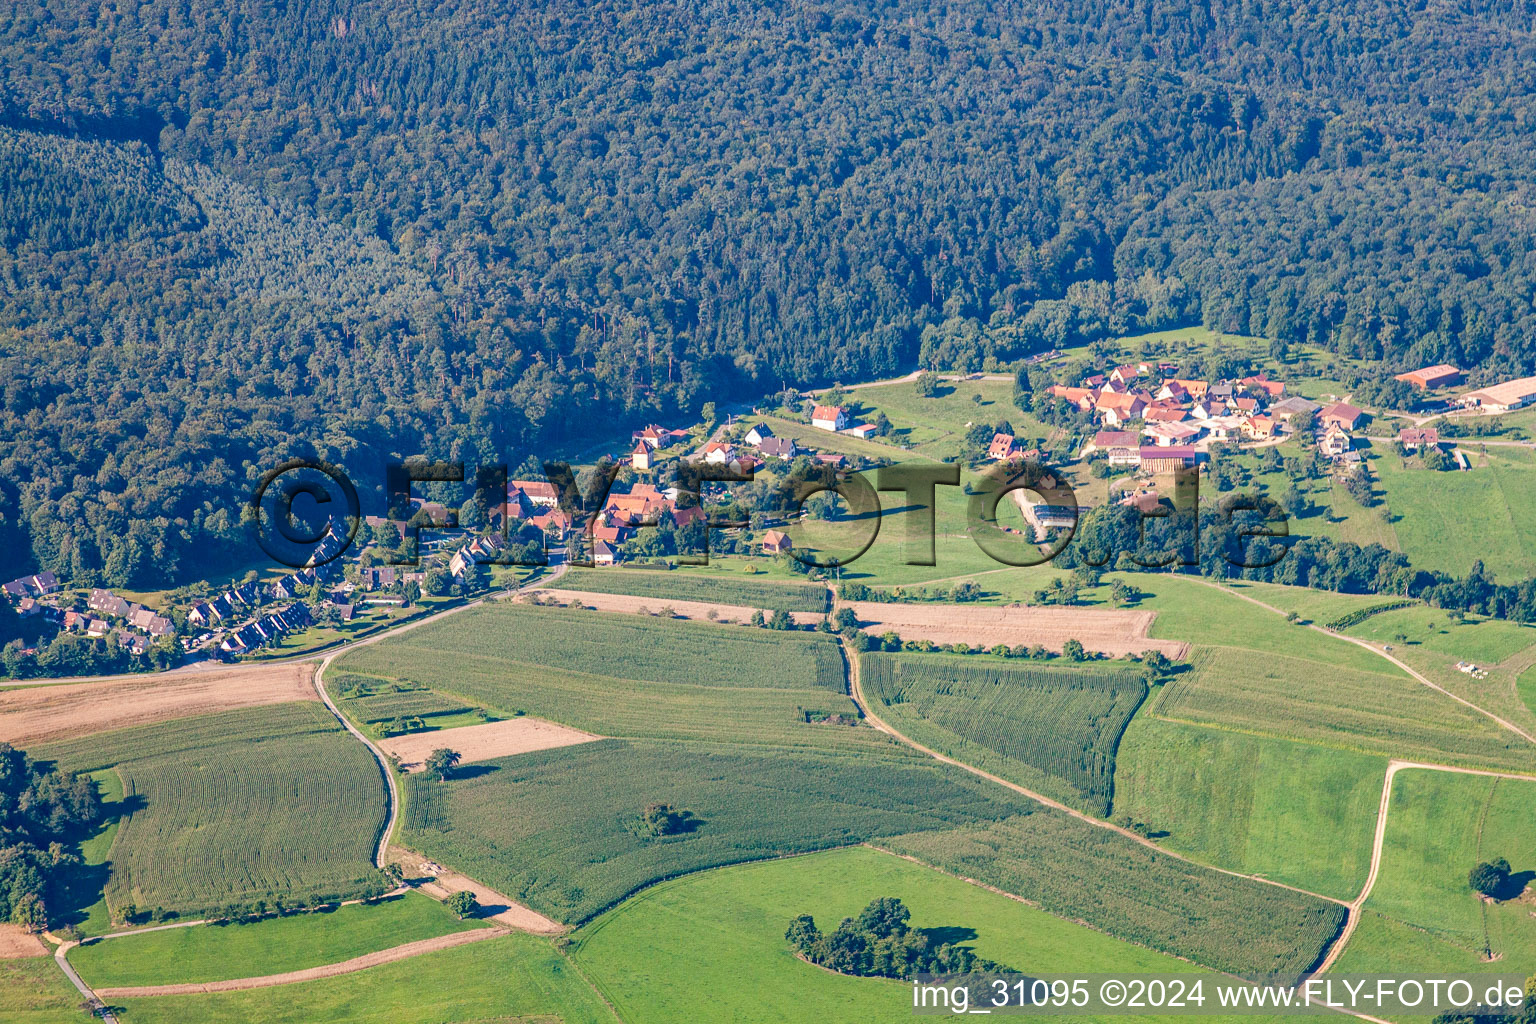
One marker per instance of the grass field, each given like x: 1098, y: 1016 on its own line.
x: 1439, y: 827
x: 1525, y: 688
x: 1319, y: 606
x: 935, y: 426
x: 1446, y: 521
x: 273, y: 945
x: 683, y: 679
x: 1054, y: 729
x: 1476, y: 639
x: 516, y: 979
x: 559, y: 829
x: 84, y: 897
x: 724, y: 931
x: 1293, y: 812
x: 681, y: 586
x: 263, y: 803
x: 1232, y: 924
x: 1371, y: 712
x: 34, y: 991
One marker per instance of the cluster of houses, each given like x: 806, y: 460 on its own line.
x: 30, y: 594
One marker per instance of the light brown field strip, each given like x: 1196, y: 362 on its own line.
x: 483, y: 742
x: 1102, y: 630
x: 43, y: 713
x: 654, y: 606
x: 493, y: 905
x: 16, y: 943
x: 357, y: 963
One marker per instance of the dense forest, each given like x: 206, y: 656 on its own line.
x: 241, y: 231
x: 43, y: 815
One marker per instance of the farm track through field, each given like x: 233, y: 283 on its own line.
x: 357, y: 963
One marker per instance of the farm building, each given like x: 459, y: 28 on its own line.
x: 776, y: 542
x: 1512, y: 394
x: 829, y: 417
x: 1167, y: 434
x: 535, y: 492
x: 1119, y: 445
x: 1166, y: 460
x: 1442, y: 376
x: 1292, y: 407
x: 864, y: 431
x: 1341, y: 415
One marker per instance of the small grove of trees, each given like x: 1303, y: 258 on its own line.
x: 442, y: 761
x: 1490, y: 877
x: 880, y: 943
x: 462, y: 904
x: 41, y: 814
x: 658, y: 820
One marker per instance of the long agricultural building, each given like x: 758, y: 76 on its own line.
x: 1512, y: 394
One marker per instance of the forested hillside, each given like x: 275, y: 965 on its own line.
x: 237, y: 231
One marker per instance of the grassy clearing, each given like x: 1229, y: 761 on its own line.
x: 1289, y: 811
x: 1231, y: 924
x: 676, y: 586
x: 559, y: 829
x: 1449, y: 520
x: 34, y: 991
x: 84, y: 900
x: 1050, y: 728
x: 1439, y: 827
x: 724, y: 931
x: 935, y: 426
x: 516, y: 978
x: 1371, y: 712
x: 270, y: 946
x: 1319, y: 606
x: 261, y: 803
x: 1476, y: 639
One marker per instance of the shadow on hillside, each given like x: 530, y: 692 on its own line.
x: 473, y: 771
x: 83, y: 886
x: 1514, y: 885
x: 951, y: 935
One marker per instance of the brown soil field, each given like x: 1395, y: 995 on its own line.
x: 17, y: 943
x: 1108, y: 632
x: 482, y: 742
x: 41, y: 713
x: 680, y: 609
x: 493, y: 905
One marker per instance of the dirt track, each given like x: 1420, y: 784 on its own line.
x: 1109, y: 632
x: 482, y: 742
x: 42, y: 713
x: 683, y: 609
x: 358, y: 963
x: 493, y: 905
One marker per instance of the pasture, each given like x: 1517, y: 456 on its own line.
x: 515, y: 978
x: 559, y: 829
x: 696, y: 586
x: 1439, y: 827
x: 35, y: 991
x: 1051, y: 729
x: 1476, y: 638
x: 1371, y: 712
x: 724, y: 931
x: 262, y: 803
x: 272, y: 945
x: 1290, y: 811
x: 1077, y: 871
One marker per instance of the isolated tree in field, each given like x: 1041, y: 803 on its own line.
x: 441, y: 762
x: 1489, y: 877
x: 463, y: 904
x: 664, y: 820
x: 1073, y: 650
x: 926, y: 384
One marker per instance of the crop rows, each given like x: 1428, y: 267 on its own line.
x: 1083, y: 873
x: 256, y: 804
x: 559, y: 829
x: 675, y: 586
x: 1052, y: 728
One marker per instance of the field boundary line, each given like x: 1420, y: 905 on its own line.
x: 857, y: 693
x: 358, y: 963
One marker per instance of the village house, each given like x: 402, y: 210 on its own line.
x: 1341, y: 415
x: 640, y: 457
x: 757, y: 435
x: 107, y: 603
x: 1119, y: 410
x: 1160, y: 413
x: 40, y: 585
x: 1195, y: 389
x: 1172, y: 391
x: 1261, y: 382
x: 1119, y: 446
x: 536, y: 493
x: 778, y: 447
x: 1335, y: 442
x: 1259, y: 428
x: 1414, y: 438
x: 604, y: 553
x: 1207, y: 409
x: 1003, y: 446
x: 776, y: 542
x: 1442, y: 375
x: 1512, y: 394
x: 1083, y: 398
x: 829, y: 417
x: 556, y: 523
x: 658, y: 437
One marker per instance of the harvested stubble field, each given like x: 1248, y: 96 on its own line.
x: 483, y: 742
x: 683, y: 586
x: 40, y: 714
x: 1053, y: 729
x: 629, y: 604
x: 1107, y: 632
x: 560, y: 829
x: 1082, y: 873
x: 1372, y: 712
x: 257, y: 803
